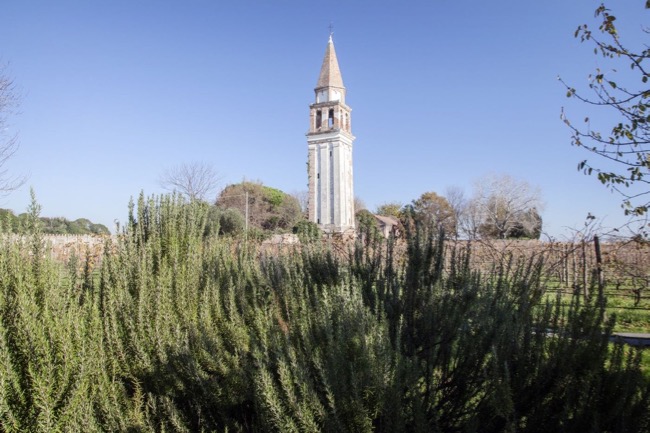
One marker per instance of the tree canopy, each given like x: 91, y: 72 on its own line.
x: 268, y: 208
x: 391, y: 209
x: 433, y: 209
x: 13, y: 223
x: 525, y: 225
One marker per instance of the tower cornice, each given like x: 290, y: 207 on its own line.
x: 328, y: 135
x: 330, y: 104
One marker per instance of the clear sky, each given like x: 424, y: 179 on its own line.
x: 442, y: 92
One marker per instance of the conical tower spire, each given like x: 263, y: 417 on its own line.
x: 330, y: 74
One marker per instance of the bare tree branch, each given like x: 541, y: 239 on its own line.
x: 8, y: 142
x: 303, y: 200
x: 196, y: 180
x: 504, y: 205
x: 625, y: 146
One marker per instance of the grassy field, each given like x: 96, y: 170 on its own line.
x: 632, y: 314
x: 629, y: 318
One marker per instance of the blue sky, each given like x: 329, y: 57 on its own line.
x: 443, y: 92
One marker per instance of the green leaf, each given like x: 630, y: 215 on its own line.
x: 613, y: 84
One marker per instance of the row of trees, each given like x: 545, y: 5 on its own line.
x: 501, y: 207
x: 13, y: 223
x: 247, y: 206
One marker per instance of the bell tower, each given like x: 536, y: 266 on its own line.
x: 329, y: 140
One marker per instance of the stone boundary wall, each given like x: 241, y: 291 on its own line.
x: 62, y: 247
x: 569, y: 263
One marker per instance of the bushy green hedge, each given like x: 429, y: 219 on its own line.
x: 179, y: 331
x: 57, y: 225
x: 269, y: 209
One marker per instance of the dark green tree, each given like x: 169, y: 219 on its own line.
x: 526, y: 225
x: 367, y: 225
x: 231, y: 222
x: 434, y: 210
x: 391, y: 209
x: 268, y: 208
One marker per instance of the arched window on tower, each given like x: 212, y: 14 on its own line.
x: 330, y: 118
x: 319, y: 119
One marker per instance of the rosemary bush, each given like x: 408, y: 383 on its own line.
x: 178, y: 329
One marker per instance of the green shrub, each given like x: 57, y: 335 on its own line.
x: 307, y: 231
x: 179, y: 331
x: 231, y: 222
x: 269, y: 209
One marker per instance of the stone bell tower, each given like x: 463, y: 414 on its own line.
x: 331, y: 193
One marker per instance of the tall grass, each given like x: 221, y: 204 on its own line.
x: 179, y: 331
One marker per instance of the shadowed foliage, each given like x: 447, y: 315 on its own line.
x: 182, y: 330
